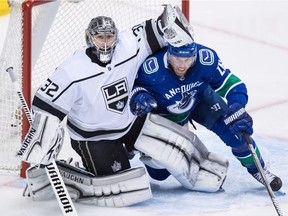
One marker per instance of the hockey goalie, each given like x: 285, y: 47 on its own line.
x: 91, y: 90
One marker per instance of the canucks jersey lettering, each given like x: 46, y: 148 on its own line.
x: 182, y: 89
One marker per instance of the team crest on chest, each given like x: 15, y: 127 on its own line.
x: 116, y: 95
x: 185, y: 104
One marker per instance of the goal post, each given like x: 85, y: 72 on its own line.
x: 42, y: 34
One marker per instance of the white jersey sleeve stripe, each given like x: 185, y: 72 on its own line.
x: 76, y: 81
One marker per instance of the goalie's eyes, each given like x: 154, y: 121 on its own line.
x: 104, y: 41
x: 105, y: 37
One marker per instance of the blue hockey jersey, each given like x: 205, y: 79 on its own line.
x: 177, y: 98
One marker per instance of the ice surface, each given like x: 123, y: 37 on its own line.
x: 251, y: 39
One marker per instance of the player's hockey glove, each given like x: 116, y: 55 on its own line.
x: 238, y: 120
x: 142, y: 103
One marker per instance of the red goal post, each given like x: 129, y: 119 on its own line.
x: 40, y: 35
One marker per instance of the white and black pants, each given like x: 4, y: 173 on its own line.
x: 106, y: 157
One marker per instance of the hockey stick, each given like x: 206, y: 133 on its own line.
x: 52, y: 171
x: 261, y: 171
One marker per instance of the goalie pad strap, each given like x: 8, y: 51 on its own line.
x: 182, y: 153
x: 121, y: 189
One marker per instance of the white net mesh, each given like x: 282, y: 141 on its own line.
x: 65, y: 35
x: 10, y: 112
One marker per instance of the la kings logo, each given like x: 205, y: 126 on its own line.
x: 116, y: 95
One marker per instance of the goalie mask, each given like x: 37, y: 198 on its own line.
x: 102, y: 35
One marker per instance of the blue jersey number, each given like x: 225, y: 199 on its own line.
x: 221, y: 68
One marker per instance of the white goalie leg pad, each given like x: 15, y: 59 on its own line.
x: 38, y: 184
x: 150, y: 161
x: 212, y: 173
x: 182, y: 153
x: 43, y: 141
x: 122, y: 189
x: 174, y: 26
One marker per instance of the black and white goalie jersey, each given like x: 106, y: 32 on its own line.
x: 94, y: 96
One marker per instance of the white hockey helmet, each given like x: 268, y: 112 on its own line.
x: 102, y: 35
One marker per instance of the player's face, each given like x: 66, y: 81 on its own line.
x: 104, y: 41
x: 181, y: 65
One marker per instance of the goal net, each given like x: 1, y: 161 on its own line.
x: 40, y: 35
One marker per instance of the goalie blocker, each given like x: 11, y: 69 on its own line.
x: 121, y: 189
x: 167, y: 145
x: 43, y: 141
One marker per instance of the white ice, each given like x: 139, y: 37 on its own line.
x: 251, y: 39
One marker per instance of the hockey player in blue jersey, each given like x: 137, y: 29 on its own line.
x: 191, y: 83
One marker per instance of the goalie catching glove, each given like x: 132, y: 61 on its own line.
x: 174, y: 27
x: 43, y: 141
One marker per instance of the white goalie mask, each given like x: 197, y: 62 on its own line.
x: 102, y: 35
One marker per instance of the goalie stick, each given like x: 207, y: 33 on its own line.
x: 260, y: 170
x: 52, y: 171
